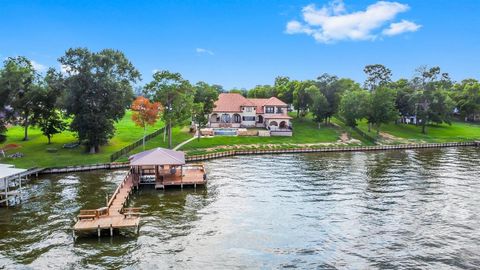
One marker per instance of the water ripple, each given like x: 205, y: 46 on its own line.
x: 397, y: 209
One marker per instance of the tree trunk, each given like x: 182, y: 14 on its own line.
x: 164, y: 133
x: 92, y: 149
x: 424, y: 131
x: 369, y: 127
x: 169, y: 134
x: 198, y: 133
x: 48, y: 137
x: 25, y: 138
x: 144, y: 130
x: 298, y: 112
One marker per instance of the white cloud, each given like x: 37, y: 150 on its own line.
x: 401, y: 27
x: 333, y: 23
x: 37, y: 66
x: 203, y: 51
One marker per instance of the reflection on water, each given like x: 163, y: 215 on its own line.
x: 397, y: 209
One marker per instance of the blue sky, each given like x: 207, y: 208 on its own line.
x: 245, y: 43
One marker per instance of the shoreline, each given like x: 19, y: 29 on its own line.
x: 230, y: 153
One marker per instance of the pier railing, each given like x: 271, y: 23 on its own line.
x: 119, y: 187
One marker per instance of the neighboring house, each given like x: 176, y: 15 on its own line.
x: 409, y: 119
x: 235, y: 111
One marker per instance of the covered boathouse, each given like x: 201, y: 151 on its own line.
x: 160, y: 167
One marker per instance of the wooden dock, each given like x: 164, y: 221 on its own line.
x: 114, y: 215
x: 158, y: 166
x: 191, y: 175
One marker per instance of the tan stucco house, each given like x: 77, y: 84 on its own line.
x: 234, y: 111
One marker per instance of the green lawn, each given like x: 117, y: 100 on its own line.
x: 305, y: 131
x: 457, y: 132
x: 35, y: 149
x: 179, y: 135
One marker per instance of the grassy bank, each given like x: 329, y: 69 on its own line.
x: 36, y: 154
x: 404, y: 133
x: 305, y: 132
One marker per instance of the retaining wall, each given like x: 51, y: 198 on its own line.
x: 328, y: 149
x: 193, y: 158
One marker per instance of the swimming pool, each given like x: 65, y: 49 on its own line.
x: 225, y: 132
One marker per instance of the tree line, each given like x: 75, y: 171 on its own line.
x: 94, y: 89
x: 92, y: 92
x: 431, y: 96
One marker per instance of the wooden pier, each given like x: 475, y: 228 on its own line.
x: 114, y: 215
x: 164, y: 167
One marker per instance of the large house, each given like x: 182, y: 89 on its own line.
x: 235, y: 111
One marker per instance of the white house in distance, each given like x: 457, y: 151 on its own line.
x: 233, y: 110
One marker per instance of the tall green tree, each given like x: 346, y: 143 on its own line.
x: 404, y: 100
x: 284, y: 89
x: 467, y: 97
x: 243, y: 91
x: 381, y: 109
x: 302, y: 97
x: 98, y: 91
x: 176, y: 96
x: 333, y: 88
x: 204, y: 103
x: 18, y: 82
x: 319, y: 108
x: 377, y: 75
x: 47, y: 111
x: 432, y: 102
x: 354, y: 106
x: 263, y: 91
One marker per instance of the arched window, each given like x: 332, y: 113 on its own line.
x: 260, y: 119
x: 283, y: 124
x: 214, y: 118
x: 225, y: 118
x: 273, y: 123
x: 237, y: 118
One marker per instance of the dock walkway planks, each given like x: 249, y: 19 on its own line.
x: 114, y: 216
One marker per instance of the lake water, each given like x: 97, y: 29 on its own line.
x: 398, y: 209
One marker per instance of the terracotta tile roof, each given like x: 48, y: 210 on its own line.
x: 232, y: 102
x: 273, y: 101
x: 259, y: 103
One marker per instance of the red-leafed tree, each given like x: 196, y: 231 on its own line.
x: 145, y: 113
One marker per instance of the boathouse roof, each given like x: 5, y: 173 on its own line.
x: 9, y: 171
x: 158, y: 156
